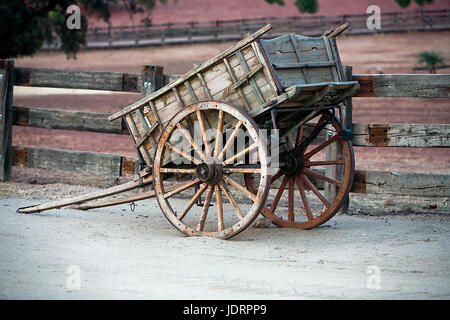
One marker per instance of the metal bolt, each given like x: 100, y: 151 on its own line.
x: 1, y: 76
x: 1, y: 157
x: 147, y: 84
x: 1, y: 116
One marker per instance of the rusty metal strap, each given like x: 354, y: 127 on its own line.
x: 378, y: 134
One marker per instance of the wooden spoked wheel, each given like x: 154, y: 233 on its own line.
x: 208, y: 146
x: 310, y: 187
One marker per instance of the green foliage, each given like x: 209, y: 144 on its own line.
x: 309, y: 6
x: 406, y: 3
x: 280, y: 2
x: 26, y: 25
x: 422, y: 2
x: 430, y: 59
x: 403, y: 3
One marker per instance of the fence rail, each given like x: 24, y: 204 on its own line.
x: 220, y: 30
x: 365, y: 135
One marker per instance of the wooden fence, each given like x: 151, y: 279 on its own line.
x: 221, y: 30
x: 152, y: 78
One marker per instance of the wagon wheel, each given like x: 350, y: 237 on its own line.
x: 300, y: 201
x: 209, y: 145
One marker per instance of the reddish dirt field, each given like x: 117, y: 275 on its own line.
x: 394, y: 53
x: 206, y: 10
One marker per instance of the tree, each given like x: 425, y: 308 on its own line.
x: 430, y: 59
x: 26, y: 25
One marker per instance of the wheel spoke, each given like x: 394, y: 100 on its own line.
x: 276, y: 176
x: 192, y: 201
x: 242, y: 170
x: 323, y: 163
x: 219, y: 208
x: 321, y: 177
x: 232, y: 201
x: 278, y: 195
x: 240, y: 154
x: 201, y: 221
x: 291, y: 200
x: 237, y: 186
x: 322, y: 146
x: 299, y: 137
x: 219, y: 133
x: 176, y: 170
x: 182, y: 187
x: 203, y: 129
x: 314, y: 190
x: 304, y: 198
x: 181, y: 153
x: 230, y: 140
x: 188, y: 136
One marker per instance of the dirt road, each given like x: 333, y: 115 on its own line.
x: 119, y: 254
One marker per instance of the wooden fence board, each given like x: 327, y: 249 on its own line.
x: 68, y: 160
x: 66, y: 120
x: 402, y: 135
x: 402, y: 183
x: 396, y: 135
x: 76, y: 79
x: 403, y: 85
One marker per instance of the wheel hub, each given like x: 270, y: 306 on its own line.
x: 209, y: 173
x: 293, y: 165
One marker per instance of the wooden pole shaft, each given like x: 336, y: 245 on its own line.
x: 6, y: 117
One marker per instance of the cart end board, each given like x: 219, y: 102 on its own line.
x: 309, y: 69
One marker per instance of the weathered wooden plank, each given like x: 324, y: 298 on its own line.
x: 76, y: 79
x: 233, y: 77
x: 298, y: 53
x: 69, y: 160
x: 293, y: 65
x: 402, y: 135
x: 403, y: 85
x: 331, y: 58
x: 204, y: 86
x: 402, y: 183
x: 246, y: 68
x: 6, y: 118
x: 65, y: 120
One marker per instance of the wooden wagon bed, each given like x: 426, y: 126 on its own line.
x: 256, y: 75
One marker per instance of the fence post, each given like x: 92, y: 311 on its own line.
x: 347, y: 112
x: 152, y: 79
x: 6, y: 117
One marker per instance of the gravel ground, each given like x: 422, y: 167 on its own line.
x: 378, y: 252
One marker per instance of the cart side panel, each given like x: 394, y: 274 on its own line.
x: 242, y: 79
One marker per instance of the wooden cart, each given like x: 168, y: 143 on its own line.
x: 260, y: 114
